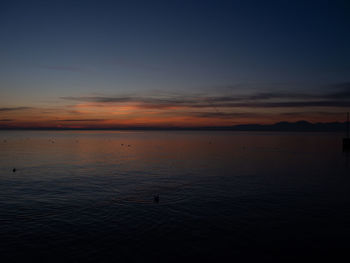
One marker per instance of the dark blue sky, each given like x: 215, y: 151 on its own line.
x: 55, y: 49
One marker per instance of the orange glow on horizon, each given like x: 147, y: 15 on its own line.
x: 133, y: 114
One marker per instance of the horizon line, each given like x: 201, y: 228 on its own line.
x: 300, y: 125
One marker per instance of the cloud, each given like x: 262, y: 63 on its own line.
x: 62, y: 68
x: 223, y: 107
x: 99, y: 99
x: 134, y: 64
x: 223, y: 115
x: 82, y: 120
x: 308, y: 113
x: 297, y: 104
x: 254, y: 101
x: 280, y: 95
x: 342, y: 91
x: 14, y: 108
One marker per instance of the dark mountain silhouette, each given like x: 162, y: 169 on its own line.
x: 292, y: 126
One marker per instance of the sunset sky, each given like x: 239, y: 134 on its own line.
x: 110, y: 64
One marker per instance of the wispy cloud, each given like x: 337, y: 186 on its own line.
x: 160, y: 109
x: 83, y: 120
x: 297, y: 104
x: 62, y: 68
x: 14, y: 109
x: 223, y: 115
x: 339, y: 97
x: 122, y: 62
x: 99, y: 99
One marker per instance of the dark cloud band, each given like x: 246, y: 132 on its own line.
x: 14, y: 109
x: 338, y: 97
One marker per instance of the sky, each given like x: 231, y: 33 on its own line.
x: 111, y: 64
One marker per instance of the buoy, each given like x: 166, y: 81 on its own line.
x: 156, y: 198
x: 14, y: 170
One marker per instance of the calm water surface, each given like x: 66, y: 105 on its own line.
x: 87, y: 196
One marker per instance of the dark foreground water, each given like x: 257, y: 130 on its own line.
x: 87, y: 196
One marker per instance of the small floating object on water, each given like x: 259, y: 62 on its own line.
x: 129, y: 145
x: 122, y: 144
x: 14, y: 170
x: 156, y: 198
x: 346, y: 144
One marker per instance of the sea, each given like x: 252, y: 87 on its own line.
x: 173, y: 196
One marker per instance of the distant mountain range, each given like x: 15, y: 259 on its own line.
x: 291, y: 126
x: 299, y: 126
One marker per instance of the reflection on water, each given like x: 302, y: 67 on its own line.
x: 89, y: 196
